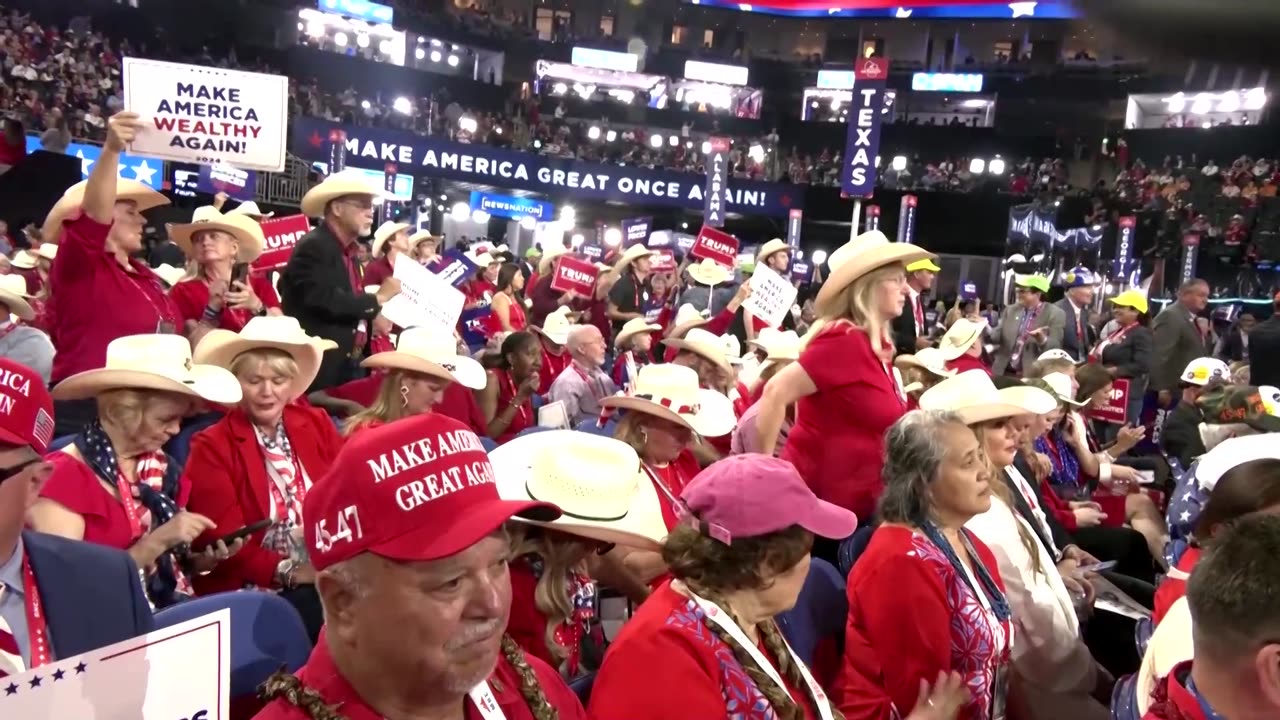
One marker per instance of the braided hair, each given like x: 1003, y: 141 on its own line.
x: 287, y: 687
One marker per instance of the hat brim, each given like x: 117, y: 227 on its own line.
x: 317, y: 198
x: 221, y: 347
x: 461, y: 530
x: 716, y: 355
x: 629, y: 257
x: 950, y: 352
x: 625, y: 336
x: 24, y: 260
x: 466, y: 371
x: 912, y: 361
x: 715, y: 417
x: 929, y: 265
x: 379, y: 243
x: 991, y: 411
x: 126, y: 191
x: 249, y: 248
x: 827, y: 520
x: 703, y: 276
x: 642, y: 527
x: 549, y: 257
x: 873, y: 259
x: 678, y: 331
x: 18, y: 305
x: 210, y: 383
x: 771, y: 248
x: 555, y: 337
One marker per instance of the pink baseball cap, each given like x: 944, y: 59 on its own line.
x: 751, y: 495
x: 26, y: 409
x: 416, y: 489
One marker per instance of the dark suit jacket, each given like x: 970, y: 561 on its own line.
x: 315, y: 288
x: 1177, y: 343
x: 1264, y: 352
x: 1233, y: 347
x: 904, y: 327
x: 92, y: 594
x: 1071, y: 341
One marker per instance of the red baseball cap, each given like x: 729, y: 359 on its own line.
x: 26, y: 409
x: 416, y: 489
x: 751, y: 494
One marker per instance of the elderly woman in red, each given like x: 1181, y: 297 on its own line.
x: 846, y: 392
x: 259, y: 460
x: 705, y: 645
x: 98, y: 226
x: 219, y: 296
x: 926, y: 596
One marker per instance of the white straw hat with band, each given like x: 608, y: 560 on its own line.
x: 430, y: 352
x: 250, y: 241
x: 152, y: 362
x: 671, y: 392
x: 972, y: 396
x: 861, y: 255
x: 13, y: 293
x: 268, y: 332
x: 337, y: 185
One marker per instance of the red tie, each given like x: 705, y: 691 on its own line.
x: 919, y: 317
x: 10, y: 656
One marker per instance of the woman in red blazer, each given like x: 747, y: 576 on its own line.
x: 259, y: 461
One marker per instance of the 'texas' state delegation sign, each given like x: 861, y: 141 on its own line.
x: 858, y: 177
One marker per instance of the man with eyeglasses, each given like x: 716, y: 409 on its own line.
x: 58, y: 598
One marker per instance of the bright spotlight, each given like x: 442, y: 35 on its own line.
x: 593, y: 132
x: 453, y: 61
x: 1202, y: 105
x: 461, y: 211
x: 402, y: 106
x: 1255, y: 99
x: 655, y: 140
x: 479, y: 217
x: 756, y: 152
x: 706, y: 147
x: 568, y: 214
x: 611, y: 135
x: 899, y: 162
x: 435, y: 56
x: 819, y: 257
x: 612, y: 236
x: 467, y: 123
x: 673, y: 141
x: 559, y: 89
x: 977, y: 166
x: 315, y: 28
x: 1176, y: 103
x: 340, y: 39
x: 1230, y: 102
x: 362, y: 40
x: 364, y: 104
x: 577, y: 240
x: 996, y: 166
x: 385, y: 47
x: 528, y: 223
x: 420, y: 53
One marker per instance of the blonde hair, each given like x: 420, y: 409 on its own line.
x: 277, y: 361
x: 561, y: 555
x: 1000, y: 489
x: 855, y: 305
x: 1048, y: 366
x: 387, y: 407
x: 125, y: 408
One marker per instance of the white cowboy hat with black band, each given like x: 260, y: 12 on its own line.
x: 126, y: 191
x: 709, y: 272
x: 961, y: 336
x: 385, y: 232
x: 268, y: 332
x: 13, y: 293
x: 974, y: 398
x: 158, y: 362
x: 632, y: 254
x: 250, y: 241
x: 430, y: 352
x: 338, y: 185
x: 556, y: 327
x: 671, y: 392
x: 869, y: 251
x: 250, y: 210
x: 705, y: 345
x: 597, y: 482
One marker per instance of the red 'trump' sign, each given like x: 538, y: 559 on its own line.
x: 574, y: 274
x: 282, y: 234
x: 1117, y: 404
x: 715, y: 245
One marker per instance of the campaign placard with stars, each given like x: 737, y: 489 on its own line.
x: 147, y: 170
x: 179, y: 672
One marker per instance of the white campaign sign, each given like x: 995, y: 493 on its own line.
x: 425, y: 298
x: 180, y: 672
x: 208, y: 116
x: 771, y: 296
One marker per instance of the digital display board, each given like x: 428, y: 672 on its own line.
x: 903, y: 9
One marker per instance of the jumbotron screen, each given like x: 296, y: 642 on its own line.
x: 918, y: 9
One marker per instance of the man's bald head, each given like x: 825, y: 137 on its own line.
x: 586, y: 344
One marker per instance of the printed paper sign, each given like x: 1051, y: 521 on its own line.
x: 771, y: 296
x: 183, y: 671
x: 281, y: 234
x: 472, y: 324
x: 573, y: 274
x: 236, y: 183
x: 208, y: 116
x: 425, y: 299
x: 801, y: 270
x: 715, y: 245
x: 635, y: 231
x: 454, y: 268
x: 553, y: 415
x: 593, y: 252
x: 1117, y: 404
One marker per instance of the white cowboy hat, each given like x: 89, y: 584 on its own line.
x: 704, y: 344
x: 687, y: 318
x: 671, y: 392
x: 1232, y: 452
x: 596, y: 481
x: 1201, y: 370
x: 246, y: 231
x: 709, y: 272
x: 385, y: 232
x: 775, y: 245
x: 339, y: 184
x: 250, y: 210
x: 430, y: 352
x: 1170, y: 645
x: 961, y: 336
x: 169, y: 274
x: 152, y: 362
x: 126, y: 190
x: 633, y: 253
x: 25, y: 260
x: 268, y: 332
x: 422, y: 236
x: 778, y: 344
x: 732, y: 348
x: 549, y: 256
x: 1057, y: 354
x: 48, y: 251
x: 930, y: 360
x: 481, y: 258
x: 556, y: 327
x: 1063, y: 387
x: 13, y: 293
x: 634, y: 326
x: 869, y: 251
x: 972, y: 396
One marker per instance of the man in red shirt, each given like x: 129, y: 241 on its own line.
x: 405, y: 534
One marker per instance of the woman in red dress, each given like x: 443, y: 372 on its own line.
x: 506, y: 309
x: 511, y: 382
x: 846, y: 391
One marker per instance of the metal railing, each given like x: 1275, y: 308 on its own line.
x: 286, y: 187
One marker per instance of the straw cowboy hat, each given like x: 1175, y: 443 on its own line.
x: 126, y: 190
x: 775, y: 245
x: 268, y: 332
x: 250, y: 210
x: 25, y: 260
x: 13, y: 292
x: 1135, y: 299
x: 430, y: 352
x: 1063, y: 387
x: 169, y: 274
x: 152, y: 362
x: 869, y: 251
x: 48, y: 251
x: 556, y: 327
x: 778, y: 344
x: 930, y: 360
x: 687, y: 318
x: 703, y: 344
x: 709, y: 272
x: 549, y: 256
x: 339, y: 184
x: 385, y: 232
x: 671, y: 392
x: 961, y: 336
x: 732, y: 348
x: 250, y: 241
x: 422, y: 236
x: 633, y: 253
x: 595, y: 480
x: 633, y: 327
x: 972, y: 396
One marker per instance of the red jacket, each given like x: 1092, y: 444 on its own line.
x: 1172, y: 700
x: 1060, y: 508
x: 229, y: 481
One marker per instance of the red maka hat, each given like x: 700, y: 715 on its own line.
x: 26, y: 410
